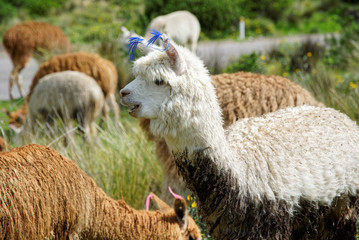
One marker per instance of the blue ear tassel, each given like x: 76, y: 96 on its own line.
x: 156, y: 35
x: 134, y: 41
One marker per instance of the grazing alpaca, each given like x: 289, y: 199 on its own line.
x: 69, y: 95
x: 181, y: 26
x: 22, y: 40
x: 240, y: 95
x: 45, y: 195
x: 290, y: 174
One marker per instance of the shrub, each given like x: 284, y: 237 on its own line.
x: 250, y: 63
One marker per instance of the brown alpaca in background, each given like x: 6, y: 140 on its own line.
x: 45, y: 195
x: 22, y: 40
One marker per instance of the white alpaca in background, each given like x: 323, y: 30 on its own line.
x: 182, y: 26
x: 291, y: 174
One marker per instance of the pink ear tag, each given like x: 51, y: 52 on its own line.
x: 173, y: 194
x: 148, y: 201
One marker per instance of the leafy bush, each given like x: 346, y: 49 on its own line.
x: 217, y: 18
x: 341, y: 49
x: 250, y: 63
x: 259, y: 26
x: 298, y: 57
x: 35, y: 7
x: 7, y: 10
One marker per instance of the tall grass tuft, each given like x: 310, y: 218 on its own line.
x: 335, y: 90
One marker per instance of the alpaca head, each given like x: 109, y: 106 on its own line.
x: 189, y: 229
x: 173, y: 89
x: 16, y: 119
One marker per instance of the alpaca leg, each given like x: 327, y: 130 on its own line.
x: 93, y: 129
x: 18, y: 81
x: 13, y: 76
x: 104, y: 111
x: 114, y: 106
x: 70, y: 137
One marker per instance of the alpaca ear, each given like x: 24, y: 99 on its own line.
x: 162, y: 206
x: 177, y: 62
x: 180, y: 207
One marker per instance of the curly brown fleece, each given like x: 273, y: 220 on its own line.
x: 92, y: 64
x: 240, y: 95
x: 44, y: 195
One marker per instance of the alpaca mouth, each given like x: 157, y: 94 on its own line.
x: 134, y: 109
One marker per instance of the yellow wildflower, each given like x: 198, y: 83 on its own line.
x: 263, y: 57
x: 285, y: 74
x: 194, y: 204
x: 189, y: 198
x: 353, y: 85
x: 309, y: 54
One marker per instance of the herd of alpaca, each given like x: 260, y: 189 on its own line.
x: 263, y: 158
x: 45, y: 195
x: 91, y: 64
x: 290, y: 174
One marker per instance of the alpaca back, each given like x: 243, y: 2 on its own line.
x: 35, y: 190
x: 305, y: 151
x: 244, y: 94
x: 91, y: 64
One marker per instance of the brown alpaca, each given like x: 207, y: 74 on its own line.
x: 240, y: 95
x: 22, y: 40
x: 45, y: 195
x: 102, y: 70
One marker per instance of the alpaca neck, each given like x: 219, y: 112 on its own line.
x: 209, y: 137
x: 116, y: 220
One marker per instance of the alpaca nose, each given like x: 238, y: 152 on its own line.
x: 124, y: 92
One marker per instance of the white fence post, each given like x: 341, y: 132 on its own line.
x: 241, y: 28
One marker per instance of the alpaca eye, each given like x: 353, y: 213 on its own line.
x: 159, y: 82
x: 20, y: 120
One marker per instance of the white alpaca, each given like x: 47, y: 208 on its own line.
x: 70, y: 95
x: 291, y: 174
x: 182, y: 26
